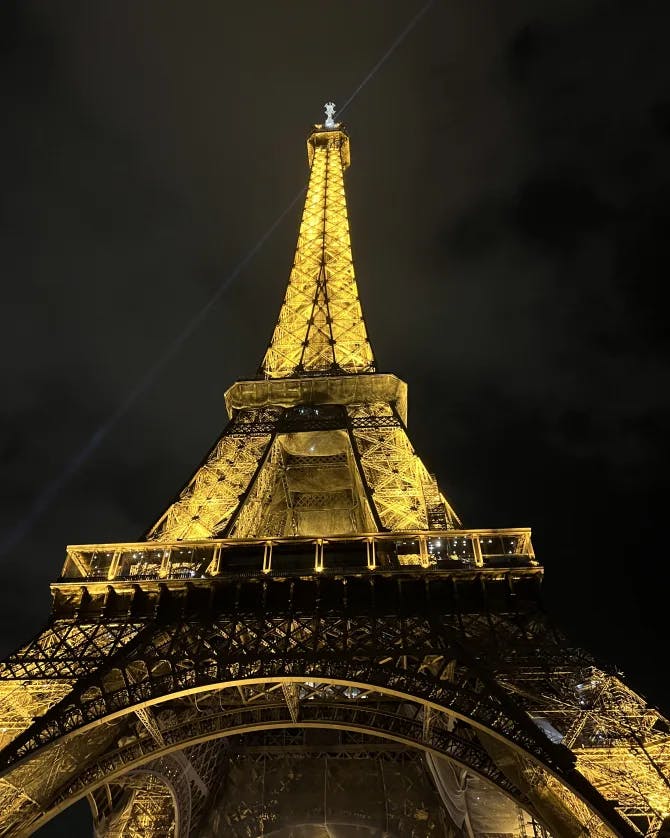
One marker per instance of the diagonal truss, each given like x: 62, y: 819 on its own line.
x: 321, y: 328
x: 308, y: 470
x: 400, y: 488
x: 207, y: 504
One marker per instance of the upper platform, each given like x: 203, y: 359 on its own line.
x: 337, y: 389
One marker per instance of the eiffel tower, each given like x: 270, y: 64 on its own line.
x: 308, y: 642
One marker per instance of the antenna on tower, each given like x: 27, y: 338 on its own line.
x: 329, y: 108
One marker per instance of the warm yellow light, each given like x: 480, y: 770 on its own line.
x: 321, y: 326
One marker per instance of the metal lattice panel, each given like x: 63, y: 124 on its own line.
x: 261, y: 514
x: 419, y: 678
x: 167, y: 796
x: 147, y: 809
x: 320, y: 327
x: 354, y: 471
x: 395, y: 476
x: 207, y: 504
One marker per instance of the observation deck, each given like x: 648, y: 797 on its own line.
x: 146, y: 580
x: 438, y: 550
x: 437, y: 572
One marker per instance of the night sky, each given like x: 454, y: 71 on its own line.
x: 508, y: 200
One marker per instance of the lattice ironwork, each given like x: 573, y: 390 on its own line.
x: 148, y: 810
x: 165, y: 797
x: 247, y: 487
x: 207, y: 504
x: 321, y: 328
x: 394, y: 474
x: 451, y: 669
x: 312, y: 577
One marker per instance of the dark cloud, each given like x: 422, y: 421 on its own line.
x: 553, y: 293
x: 558, y: 210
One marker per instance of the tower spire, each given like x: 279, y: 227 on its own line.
x: 320, y: 330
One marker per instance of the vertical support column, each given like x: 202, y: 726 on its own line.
x: 267, y: 557
x: 423, y: 551
x: 114, y: 565
x: 164, y: 571
x: 477, y: 550
x: 214, y: 566
x: 371, y: 552
x: 318, y: 555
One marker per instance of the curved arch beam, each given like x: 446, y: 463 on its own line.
x: 382, y: 712
x: 133, y: 756
x: 416, y: 658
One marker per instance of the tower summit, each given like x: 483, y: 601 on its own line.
x: 308, y: 643
x: 321, y: 330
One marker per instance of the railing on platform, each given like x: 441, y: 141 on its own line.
x: 436, y: 549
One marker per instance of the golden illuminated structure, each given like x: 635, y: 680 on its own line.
x: 308, y: 642
x: 354, y: 470
x: 321, y: 327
